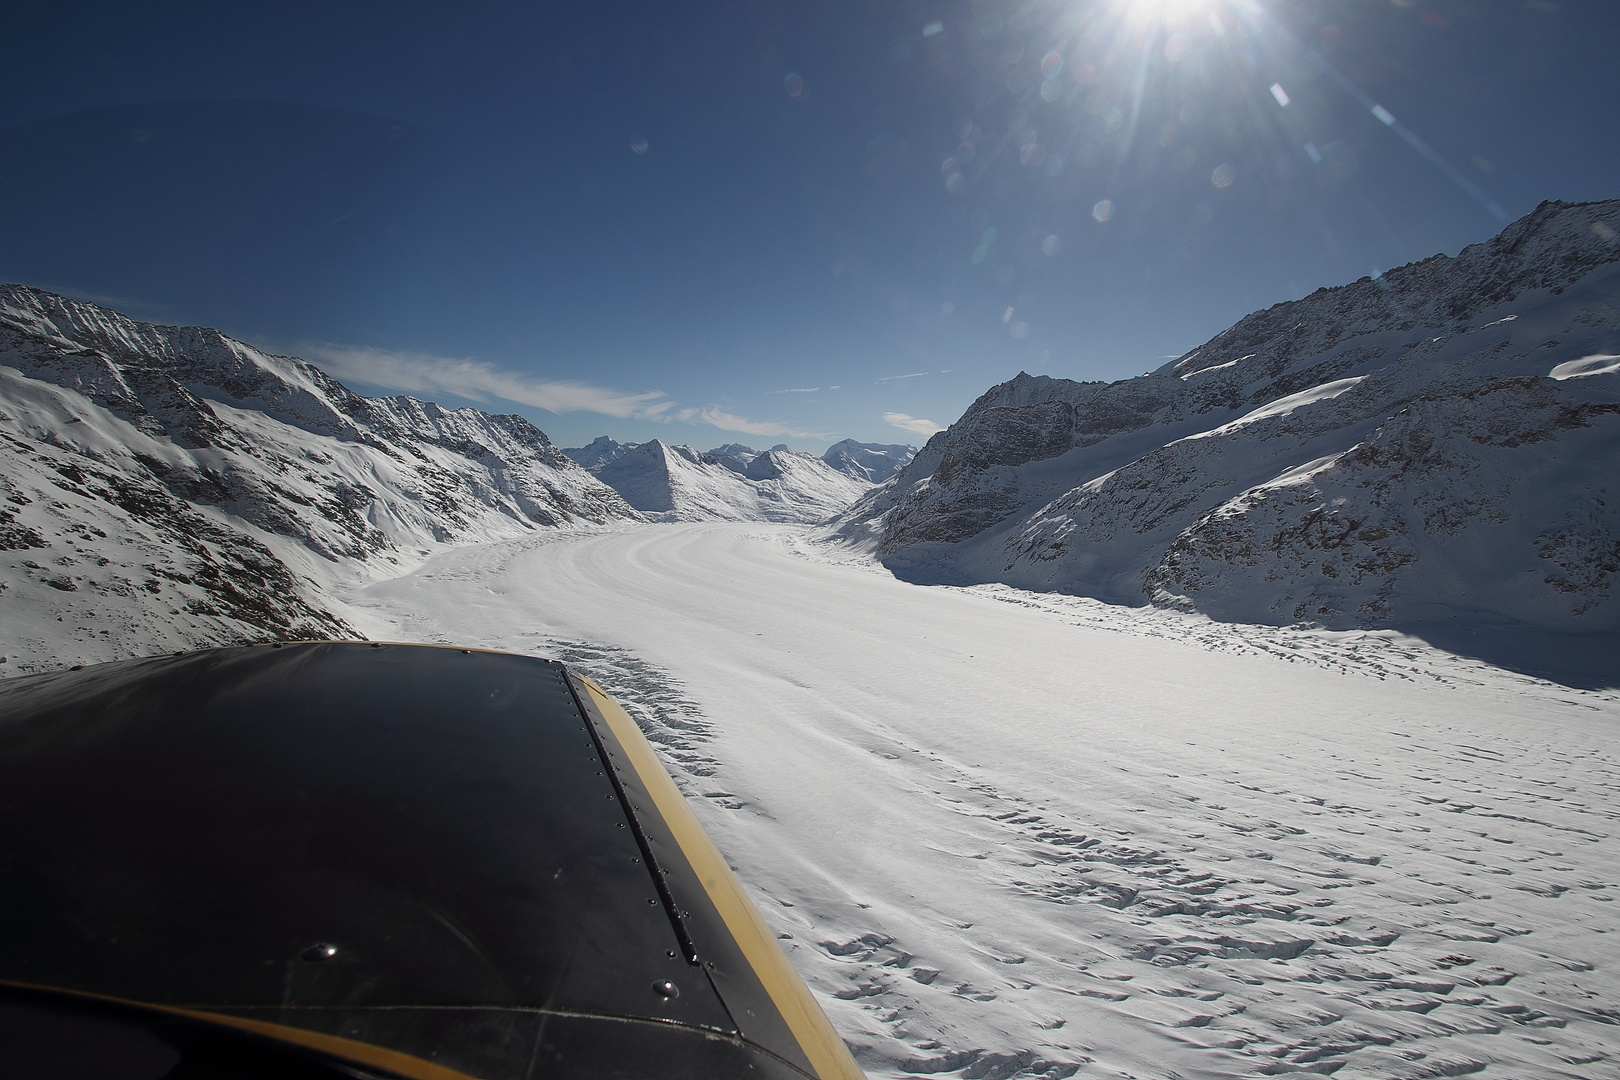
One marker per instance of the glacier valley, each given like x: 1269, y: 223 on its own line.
x: 1253, y: 716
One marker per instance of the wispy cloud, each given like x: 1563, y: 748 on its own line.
x: 729, y: 421
x: 910, y: 375
x: 914, y: 424
x: 422, y: 373
x: 799, y: 390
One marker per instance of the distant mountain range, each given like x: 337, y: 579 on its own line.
x: 738, y: 483
x: 1436, y: 449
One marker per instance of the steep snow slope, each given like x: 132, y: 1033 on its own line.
x: 872, y: 462
x: 1393, y: 452
x: 676, y: 483
x: 189, y: 489
x: 1010, y: 835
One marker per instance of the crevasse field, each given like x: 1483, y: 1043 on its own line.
x: 1006, y: 833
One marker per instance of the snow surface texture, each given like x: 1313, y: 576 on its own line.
x: 168, y: 487
x: 1011, y: 834
x: 1434, y: 450
x: 677, y: 483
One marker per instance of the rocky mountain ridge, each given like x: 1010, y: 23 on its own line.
x: 208, y: 489
x: 1392, y: 452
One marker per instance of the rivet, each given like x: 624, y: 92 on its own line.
x: 316, y: 953
x: 666, y: 989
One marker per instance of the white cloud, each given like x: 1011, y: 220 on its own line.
x: 910, y: 375
x: 914, y: 424
x: 798, y: 390
x: 727, y: 421
x: 421, y: 373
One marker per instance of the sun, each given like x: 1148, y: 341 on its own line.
x: 1163, y: 11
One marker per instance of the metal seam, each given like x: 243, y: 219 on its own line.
x: 665, y: 897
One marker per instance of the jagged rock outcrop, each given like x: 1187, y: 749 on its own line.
x: 1388, y: 452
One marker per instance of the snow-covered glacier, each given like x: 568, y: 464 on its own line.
x: 1435, y: 448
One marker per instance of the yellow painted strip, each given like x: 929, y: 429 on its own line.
x: 352, y: 1050
x: 821, y: 1044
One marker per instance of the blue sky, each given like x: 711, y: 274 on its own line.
x: 769, y: 222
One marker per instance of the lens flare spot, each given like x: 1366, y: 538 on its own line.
x: 933, y: 28
x: 1051, y: 64
x: 1051, y: 245
x: 1114, y: 120
x: 1223, y: 176
x: 638, y: 144
x: 793, y: 83
x: 965, y: 152
x: 1006, y: 316
x: 1280, y: 94
x: 948, y: 166
x: 1103, y: 210
x: 1184, y: 159
x: 1051, y: 90
x: 1313, y: 153
x: 1019, y: 330
x: 954, y: 183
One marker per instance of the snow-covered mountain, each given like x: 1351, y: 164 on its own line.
x: 677, y: 483
x: 1441, y: 442
x: 872, y: 462
x: 736, y: 456
x: 169, y: 486
x: 601, y: 451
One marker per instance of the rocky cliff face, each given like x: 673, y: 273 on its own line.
x: 199, y: 483
x: 1441, y: 440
